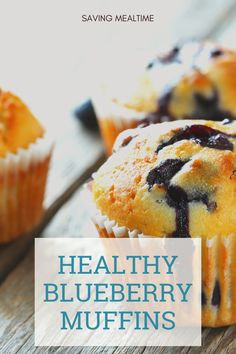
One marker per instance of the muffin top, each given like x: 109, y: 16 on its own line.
x: 196, y: 79
x: 173, y: 179
x: 18, y: 127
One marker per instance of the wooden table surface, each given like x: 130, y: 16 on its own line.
x: 77, y: 154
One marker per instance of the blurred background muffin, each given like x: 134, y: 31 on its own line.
x: 24, y: 159
x: 195, y: 80
x: 177, y: 179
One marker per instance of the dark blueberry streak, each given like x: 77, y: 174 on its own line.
x: 153, y: 118
x: 171, y: 56
x: 176, y: 196
x: 203, y: 198
x: 216, y: 297
x: 208, y: 107
x: 216, y: 53
x: 233, y: 173
x: 163, y: 102
x: 202, y: 135
x: 178, y: 199
x: 204, y: 299
x: 162, y: 114
x: 164, y: 172
x: 167, y: 58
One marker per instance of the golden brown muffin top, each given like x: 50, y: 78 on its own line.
x: 174, y: 179
x: 18, y: 127
x: 196, y: 79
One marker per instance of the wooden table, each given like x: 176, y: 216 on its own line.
x: 77, y: 154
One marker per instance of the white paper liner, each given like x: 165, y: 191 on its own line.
x: 22, y: 185
x: 121, y: 116
x: 218, y: 266
x: 107, y: 108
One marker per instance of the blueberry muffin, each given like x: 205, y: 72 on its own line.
x: 195, y: 79
x: 24, y: 159
x: 177, y: 179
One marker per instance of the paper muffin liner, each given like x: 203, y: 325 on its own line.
x: 218, y: 269
x: 113, y: 119
x: 23, y: 178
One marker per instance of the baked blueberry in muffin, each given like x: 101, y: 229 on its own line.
x: 177, y: 179
x: 196, y: 79
x: 192, y: 80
